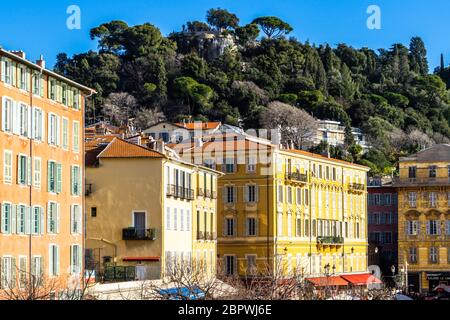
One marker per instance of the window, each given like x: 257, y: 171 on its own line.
x: 38, y: 124
x: 75, y: 219
x: 168, y: 219
x: 8, y: 268
x: 229, y: 165
x: 413, y: 255
x: 306, y: 228
x: 412, y: 172
x: 76, y: 181
x: 448, y: 228
x: 388, y: 199
x: 298, y: 227
x: 280, y: 194
x: 36, y: 267
x: 94, y: 212
x: 38, y: 85
x: 412, y: 227
x: 229, y: 227
x: 7, y: 71
x: 7, y: 167
x: 54, y: 177
x: 22, y: 268
x: 251, y: 194
x: 230, y: 194
x: 175, y: 218
x: 433, y: 199
x: 7, y: 115
x: 251, y: 165
x: 387, y: 237
x: 434, y: 255
x: 37, y: 173
x: 299, y: 196
x: 188, y: 220
x: 412, y: 198
x: 6, y: 218
x: 53, y: 259
x: 37, y: 220
x: 433, y: 227
x: 53, y: 129
x: 24, y: 117
x: 65, y: 133
x: 76, y: 136
x: 53, y: 218
x: 22, y: 218
x: 23, y: 170
x: 75, y: 259
x: 251, y: 227
x: 230, y: 265
x: 289, y: 195
x: 432, y: 171
x: 182, y: 220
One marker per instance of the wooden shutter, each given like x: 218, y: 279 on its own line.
x: 29, y: 171
x: 13, y: 220
x: 2, y: 222
x: 3, y: 69
x: 41, y: 220
x: 57, y: 259
x: 49, y: 217
x: 49, y: 130
x: 58, y: 131
x: 27, y: 220
x: 58, y: 218
x: 41, y: 89
x: 58, y: 178
x: 51, y: 259
x: 49, y: 173
x: 13, y: 273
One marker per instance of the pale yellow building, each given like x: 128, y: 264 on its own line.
x: 145, y: 213
x: 424, y: 218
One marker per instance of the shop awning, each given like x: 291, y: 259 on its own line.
x: 361, y: 279
x: 136, y: 259
x: 328, y: 281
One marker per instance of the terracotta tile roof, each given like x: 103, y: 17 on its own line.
x: 119, y: 148
x: 318, y: 156
x: 203, y: 125
x: 97, y: 140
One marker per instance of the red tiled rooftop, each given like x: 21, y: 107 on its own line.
x: 119, y: 148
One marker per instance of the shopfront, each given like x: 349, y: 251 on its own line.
x: 436, y: 278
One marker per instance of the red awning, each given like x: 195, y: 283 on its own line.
x: 361, y: 279
x: 130, y: 259
x: 328, y: 281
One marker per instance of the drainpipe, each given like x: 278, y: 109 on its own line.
x: 30, y: 139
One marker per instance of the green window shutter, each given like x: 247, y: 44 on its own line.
x: 41, y: 220
x: 19, y: 78
x: 57, y: 260
x: 13, y: 74
x: 3, y: 222
x: 49, y: 174
x: 49, y: 218
x: 42, y: 83
x: 13, y: 273
x: 59, y: 178
x: 19, y: 169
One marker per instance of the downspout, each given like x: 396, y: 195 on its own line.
x: 30, y: 139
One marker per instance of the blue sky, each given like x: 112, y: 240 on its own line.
x: 39, y: 27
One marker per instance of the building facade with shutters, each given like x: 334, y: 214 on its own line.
x: 148, y: 212
x: 424, y: 218
x: 41, y: 176
x: 284, y: 211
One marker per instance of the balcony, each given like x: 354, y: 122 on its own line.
x: 201, y: 192
x: 139, y: 234
x: 208, y: 194
x: 200, y: 235
x: 88, y: 190
x: 330, y: 240
x: 180, y: 192
x: 357, y: 187
x: 297, y: 176
x: 423, y: 181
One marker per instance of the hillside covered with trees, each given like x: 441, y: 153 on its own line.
x: 389, y: 93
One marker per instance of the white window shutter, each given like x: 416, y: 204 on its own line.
x: 13, y: 224
x: 58, y: 131
x: 72, y: 219
x: 29, y: 171
x: 3, y: 114
x: 51, y: 259
x: 49, y: 134
x: 49, y: 217
x: 3, y: 70
x: 15, y: 111
x: 29, y: 124
x: 58, y: 218
x: 27, y: 220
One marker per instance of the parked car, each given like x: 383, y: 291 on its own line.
x: 182, y: 293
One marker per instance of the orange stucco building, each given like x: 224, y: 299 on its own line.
x: 41, y: 176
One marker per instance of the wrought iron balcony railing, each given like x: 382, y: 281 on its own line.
x: 297, y: 176
x: 330, y: 240
x: 139, y: 234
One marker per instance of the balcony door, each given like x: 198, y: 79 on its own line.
x: 139, y: 223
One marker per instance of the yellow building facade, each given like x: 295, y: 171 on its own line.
x: 145, y: 212
x: 285, y: 211
x: 424, y: 218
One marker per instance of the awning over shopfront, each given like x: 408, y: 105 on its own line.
x: 332, y: 281
x: 137, y: 259
x: 361, y: 279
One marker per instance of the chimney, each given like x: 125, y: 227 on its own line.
x: 41, y: 62
x: 19, y: 53
x: 160, y: 146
